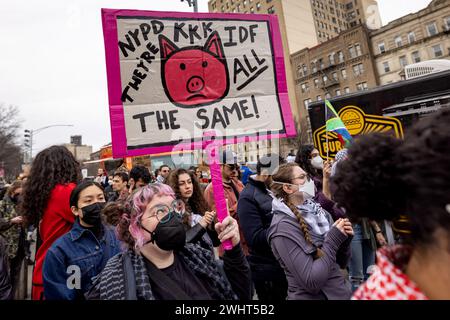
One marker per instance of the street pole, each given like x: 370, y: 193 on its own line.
x: 29, y: 134
x: 192, y: 3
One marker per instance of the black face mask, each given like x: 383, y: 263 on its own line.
x: 92, y: 213
x: 170, y: 235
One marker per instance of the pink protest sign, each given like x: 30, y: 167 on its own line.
x: 173, y: 76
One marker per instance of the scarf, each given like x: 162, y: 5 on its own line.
x: 111, y: 281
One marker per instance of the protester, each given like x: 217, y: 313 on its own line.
x: 255, y: 215
x: 84, y: 251
x: 139, y: 177
x: 197, y: 172
x: 290, y: 157
x: 164, y: 172
x: 12, y: 232
x: 160, y: 265
x: 113, y: 211
x: 391, y: 178
x: 5, y: 282
x: 54, y: 174
x: 102, y: 178
x: 309, y: 246
x: 245, y: 173
x: 367, y: 235
x: 197, y: 219
x: 119, y: 186
x: 232, y: 187
x: 309, y: 159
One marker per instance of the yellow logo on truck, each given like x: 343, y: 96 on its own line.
x: 356, y: 122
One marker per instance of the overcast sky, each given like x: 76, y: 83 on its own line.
x: 52, y: 63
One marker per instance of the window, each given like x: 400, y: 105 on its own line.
x: 340, y: 56
x: 398, y: 41
x: 447, y: 23
x: 316, y: 83
x: 325, y: 79
x: 321, y: 64
x: 361, y: 86
x: 258, y: 6
x: 335, y: 76
x: 252, y: 10
x: 271, y: 10
x: 313, y: 67
x: 352, y: 52
x: 403, y: 61
x: 347, y: 90
x: 432, y: 29
x: 305, y: 70
x: 386, y: 67
x: 306, y: 102
x: 331, y: 59
x: 381, y: 47
x: 437, y: 51
x: 338, y: 92
x: 238, y: 8
x: 305, y: 87
x: 415, y: 56
x: 328, y: 96
x: 344, y: 73
x: 358, y: 49
x: 319, y: 98
x: 411, y: 37
x: 244, y: 3
x: 358, y: 69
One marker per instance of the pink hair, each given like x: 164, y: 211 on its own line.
x: 138, y: 203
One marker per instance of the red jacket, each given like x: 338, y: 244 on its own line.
x: 56, y: 221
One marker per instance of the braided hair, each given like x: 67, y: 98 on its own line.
x: 284, y: 175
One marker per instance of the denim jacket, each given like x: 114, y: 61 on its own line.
x: 74, y: 259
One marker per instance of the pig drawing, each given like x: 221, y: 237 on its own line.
x: 194, y: 76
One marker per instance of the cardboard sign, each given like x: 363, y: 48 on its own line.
x: 173, y: 76
x: 357, y: 122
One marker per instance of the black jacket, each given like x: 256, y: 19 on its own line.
x: 255, y: 215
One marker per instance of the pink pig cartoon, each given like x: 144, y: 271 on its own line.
x: 194, y: 76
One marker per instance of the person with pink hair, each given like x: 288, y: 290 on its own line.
x: 158, y: 264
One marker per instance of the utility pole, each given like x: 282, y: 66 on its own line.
x: 192, y: 3
x: 28, y: 135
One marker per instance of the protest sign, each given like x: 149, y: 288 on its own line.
x: 173, y: 76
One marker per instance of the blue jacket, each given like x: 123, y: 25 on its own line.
x: 74, y: 259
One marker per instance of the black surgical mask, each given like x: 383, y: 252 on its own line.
x: 170, y: 235
x: 92, y: 213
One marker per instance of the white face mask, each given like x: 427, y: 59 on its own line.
x: 308, y: 189
x: 317, y: 162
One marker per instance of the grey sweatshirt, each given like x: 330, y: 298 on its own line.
x: 309, y: 279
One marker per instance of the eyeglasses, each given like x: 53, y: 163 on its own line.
x: 164, y: 213
x: 302, y: 177
x: 233, y: 166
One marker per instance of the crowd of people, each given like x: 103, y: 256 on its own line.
x: 371, y: 224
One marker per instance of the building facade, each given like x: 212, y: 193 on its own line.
x: 80, y: 152
x: 303, y: 23
x: 339, y: 66
x: 417, y: 37
x: 307, y: 23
